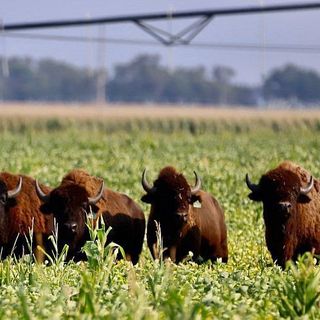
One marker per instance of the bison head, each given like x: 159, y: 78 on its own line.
x: 280, y: 191
x: 7, y: 200
x: 171, y: 195
x: 69, y: 204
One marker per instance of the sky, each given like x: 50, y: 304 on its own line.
x: 286, y: 28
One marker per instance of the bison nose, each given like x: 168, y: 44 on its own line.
x: 72, y: 227
x: 285, y: 206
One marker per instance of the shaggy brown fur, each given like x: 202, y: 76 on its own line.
x: 21, y: 214
x: 118, y: 211
x: 295, y: 230
x: 199, y: 230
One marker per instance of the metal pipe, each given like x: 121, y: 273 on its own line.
x: 159, y: 16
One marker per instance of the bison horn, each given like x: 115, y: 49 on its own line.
x: 308, y: 188
x: 14, y: 192
x: 253, y: 187
x: 197, y: 186
x: 42, y: 196
x: 145, y: 184
x: 94, y: 200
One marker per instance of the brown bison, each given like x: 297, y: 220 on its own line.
x: 78, y: 194
x: 190, y: 219
x: 19, y: 213
x: 291, y: 211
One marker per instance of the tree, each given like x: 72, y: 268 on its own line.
x: 63, y: 82
x: 139, y: 80
x: 293, y: 84
x: 187, y: 85
x: 20, y: 84
x: 47, y: 80
x: 223, y: 74
x: 143, y: 79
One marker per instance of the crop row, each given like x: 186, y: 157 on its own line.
x: 194, y: 126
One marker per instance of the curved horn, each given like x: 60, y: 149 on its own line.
x: 94, y: 200
x: 308, y: 188
x: 253, y: 187
x: 197, y: 186
x: 14, y: 192
x: 42, y: 196
x: 145, y: 184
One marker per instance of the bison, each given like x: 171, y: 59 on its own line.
x: 291, y: 211
x: 78, y: 194
x: 190, y: 219
x: 19, y: 214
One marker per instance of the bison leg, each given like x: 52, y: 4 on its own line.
x: 220, y: 254
x: 128, y: 257
x: 173, y: 253
x: 39, y: 244
x: 222, y: 251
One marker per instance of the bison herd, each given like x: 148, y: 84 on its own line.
x: 188, y: 218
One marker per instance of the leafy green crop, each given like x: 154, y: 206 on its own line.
x: 249, y: 286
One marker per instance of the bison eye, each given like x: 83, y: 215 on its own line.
x: 85, y: 206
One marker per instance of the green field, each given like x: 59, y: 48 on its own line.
x: 249, y: 286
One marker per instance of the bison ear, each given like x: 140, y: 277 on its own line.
x: 147, y: 198
x: 194, y: 198
x: 255, y: 196
x: 46, y: 208
x: 303, y: 198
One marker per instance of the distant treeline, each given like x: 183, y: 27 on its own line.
x: 145, y: 79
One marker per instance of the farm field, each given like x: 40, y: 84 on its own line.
x: 222, y: 151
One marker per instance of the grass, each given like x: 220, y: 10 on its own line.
x: 249, y: 286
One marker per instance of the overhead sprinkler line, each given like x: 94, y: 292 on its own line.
x: 190, y: 32
x: 159, y: 16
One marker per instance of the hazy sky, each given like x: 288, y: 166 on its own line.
x: 298, y: 28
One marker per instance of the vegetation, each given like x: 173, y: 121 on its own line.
x: 249, y: 286
x: 293, y: 84
x: 46, y: 80
x: 145, y: 79
x: 154, y: 118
